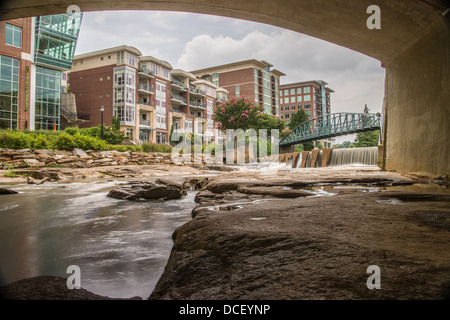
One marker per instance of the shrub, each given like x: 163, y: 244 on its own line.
x: 152, y: 147
x: 40, y: 142
x: 71, y: 130
x: 89, y: 143
x: 14, y: 140
x: 64, y: 142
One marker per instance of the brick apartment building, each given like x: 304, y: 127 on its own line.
x: 251, y: 78
x: 312, y: 96
x: 144, y: 93
x: 34, y: 53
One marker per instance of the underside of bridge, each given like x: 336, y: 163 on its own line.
x: 413, y: 45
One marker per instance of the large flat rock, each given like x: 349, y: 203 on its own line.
x: 314, y: 248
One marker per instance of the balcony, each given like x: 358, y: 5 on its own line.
x: 195, y: 104
x: 142, y: 88
x: 176, y: 84
x: 144, y: 122
x: 145, y: 73
x: 176, y: 98
x: 197, y: 92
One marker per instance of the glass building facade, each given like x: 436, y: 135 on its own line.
x: 47, y: 99
x: 9, y: 92
x: 55, y: 41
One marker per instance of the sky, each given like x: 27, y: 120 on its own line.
x: 191, y: 41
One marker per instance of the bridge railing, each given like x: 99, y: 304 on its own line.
x: 331, y: 125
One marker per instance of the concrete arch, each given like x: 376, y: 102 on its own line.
x: 413, y: 45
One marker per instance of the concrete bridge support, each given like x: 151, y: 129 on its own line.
x: 413, y: 45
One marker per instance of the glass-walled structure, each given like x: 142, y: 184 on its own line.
x: 9, y: 92
x: 56, y: 39
x: 48, y: 99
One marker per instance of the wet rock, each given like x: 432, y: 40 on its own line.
x: 31, y: 181
x: 160, y: 189
x: 309, y: 248
x: 48, y: 288
x: 276, y: 192
x: 7, y: 191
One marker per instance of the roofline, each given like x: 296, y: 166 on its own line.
x: 295, y: 84
x: 108, y: 50
x: 260, y: 63
x: 156, y: 60
x: 206, y: 82
x: 183, y: 73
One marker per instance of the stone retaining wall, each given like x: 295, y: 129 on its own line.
x: 77, y: 158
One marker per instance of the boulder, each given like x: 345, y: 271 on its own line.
x: 79, y: 152
x: 48, y: 288
x: 277, y: 192
x: 147, y: 190
x: 7, y: 191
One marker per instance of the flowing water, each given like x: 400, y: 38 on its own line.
x: 120, y: 246
x: 346, y: 156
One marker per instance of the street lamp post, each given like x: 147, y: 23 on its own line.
x: 101, y: 110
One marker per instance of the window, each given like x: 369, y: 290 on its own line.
x: 299, y: 98
x: 307, y: 97
x: 286, y: 108
x: 118, y: 95
x: 119, y: 77
x: 287, y: 115
x: 48, y: 98
x: 237, y: 91
x: 292, y: 91
x: 9, y: 87
x: 307, y: 105
x: 286, y: 100
x: 293, y: 107
x: 281, y: 108
x: 129, y: 133
x: 292, y: 99
x: 160, y: 137
x: 281, y: 93
x: 306, y: 90
x: 286, y: 92
x: 101, y: 58
x: 119, y: 57
x: 299, y: 90
x: 13, y: 35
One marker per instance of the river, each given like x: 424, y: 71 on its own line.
x: 120, y: 246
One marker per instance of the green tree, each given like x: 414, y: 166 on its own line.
x: 116, y: 123
x: 237, y: 113
x: 367, y: 139
x: 265, y: 121
x: 298, y: 118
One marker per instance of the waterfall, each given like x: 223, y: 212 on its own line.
x: 366, y: 156
x: 319, y: 160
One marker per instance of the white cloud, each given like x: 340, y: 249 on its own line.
x: 356, y: 79
x: 193, y: 41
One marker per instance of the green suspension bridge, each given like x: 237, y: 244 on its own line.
x: 332, y: 125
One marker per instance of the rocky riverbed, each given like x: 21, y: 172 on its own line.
x: 305, y: 234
